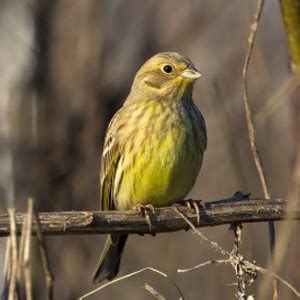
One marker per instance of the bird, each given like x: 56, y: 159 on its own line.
x: 153, y: 147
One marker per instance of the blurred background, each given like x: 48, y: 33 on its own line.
x: 67, y: 66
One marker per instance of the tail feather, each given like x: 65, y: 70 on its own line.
x: 109, y: 262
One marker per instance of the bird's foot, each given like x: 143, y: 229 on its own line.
x: 144, y: 210
x: 193, y: 205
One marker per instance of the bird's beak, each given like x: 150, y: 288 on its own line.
x: 191, y: 73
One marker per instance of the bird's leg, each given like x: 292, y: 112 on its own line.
x: 144, y: 211
x: 193, y: 205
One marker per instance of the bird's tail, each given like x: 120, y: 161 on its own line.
x: 109, y: 263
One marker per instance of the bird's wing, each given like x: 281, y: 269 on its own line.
x: 203, y: 125
x: 109, y: 163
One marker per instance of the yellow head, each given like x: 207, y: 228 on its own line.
x: 169, y: 75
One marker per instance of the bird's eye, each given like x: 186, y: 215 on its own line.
x: 167, y: 69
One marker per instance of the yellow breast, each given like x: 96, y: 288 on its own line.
x: 160, y: 166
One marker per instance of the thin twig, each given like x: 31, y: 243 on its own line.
x: 131, y: 275
x: 150, y: 289
x: 240, y: 273
x: 7, y: 269
x: 209, y: 262
x: 49, y: 278
x: 14, y: 255
x: 274, y: 275
x: 250, y: 268
x: 21, y: 249
x: 250, y: 125
x: 26, y: 260
x: 213, y: 244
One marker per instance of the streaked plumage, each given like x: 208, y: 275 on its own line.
x: 153, y: 148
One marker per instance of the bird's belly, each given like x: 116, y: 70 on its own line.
x: 163, y: 172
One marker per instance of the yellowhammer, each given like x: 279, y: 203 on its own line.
x: 153, y: 148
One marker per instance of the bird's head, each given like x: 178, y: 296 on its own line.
x: 167, y: 75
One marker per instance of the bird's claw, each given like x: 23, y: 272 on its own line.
x: 144, y: 211
x: 193, y: 205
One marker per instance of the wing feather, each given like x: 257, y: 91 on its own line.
x: 109, y: 163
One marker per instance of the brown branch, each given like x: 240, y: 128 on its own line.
x: 213, y: 213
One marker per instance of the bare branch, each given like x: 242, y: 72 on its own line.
x: 213, y: 213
